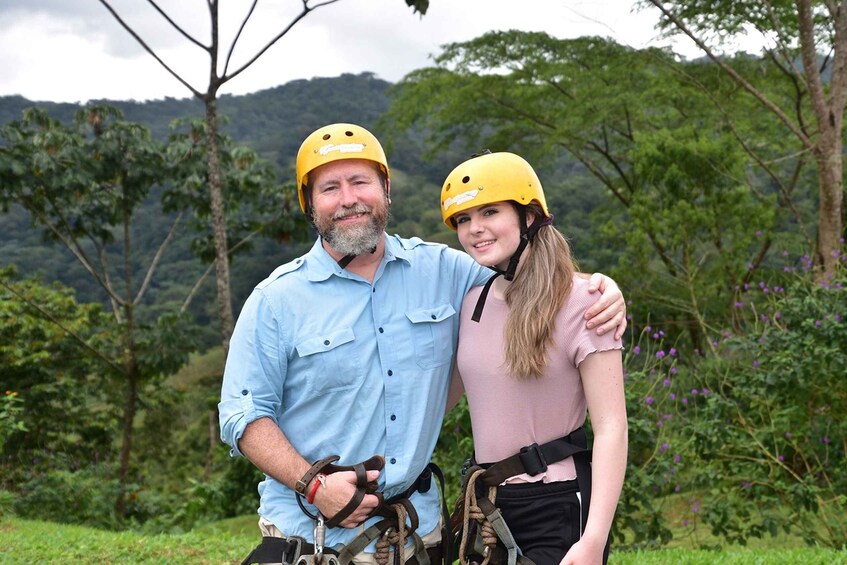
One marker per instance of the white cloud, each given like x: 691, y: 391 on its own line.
x: 76, y: 51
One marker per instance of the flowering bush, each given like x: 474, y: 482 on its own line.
x: 772, y: 438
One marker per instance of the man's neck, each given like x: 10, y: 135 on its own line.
x: 365, y: 264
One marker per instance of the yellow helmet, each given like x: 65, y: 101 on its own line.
x: 489, y: 178
x: 334, y: 143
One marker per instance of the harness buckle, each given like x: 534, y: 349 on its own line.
x: 532, y: 460
x: 293, y: 551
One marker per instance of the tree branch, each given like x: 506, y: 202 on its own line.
x: 156, y: 258
x: 147, y: 48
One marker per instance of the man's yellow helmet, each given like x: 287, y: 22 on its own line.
x: 489, y: 178
x: 334, y: 143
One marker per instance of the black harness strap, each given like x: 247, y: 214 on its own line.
x: 282, y: 550
x: 533, y: 460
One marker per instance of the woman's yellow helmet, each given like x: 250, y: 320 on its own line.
x: 489, y: 178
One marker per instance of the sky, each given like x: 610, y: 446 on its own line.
x: 75, y: 50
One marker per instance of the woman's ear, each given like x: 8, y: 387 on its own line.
x: 530, y: 217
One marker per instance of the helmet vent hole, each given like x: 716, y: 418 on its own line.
x: 466, y: 179
x: 348, y: 133
x: 326, y: 136
x: 447, y: 188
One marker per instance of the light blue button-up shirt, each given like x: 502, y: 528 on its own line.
x: 350, y: 368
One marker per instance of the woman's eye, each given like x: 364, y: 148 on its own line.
x: 461, y: 220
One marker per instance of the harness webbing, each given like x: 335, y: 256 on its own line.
x: 532, y: 460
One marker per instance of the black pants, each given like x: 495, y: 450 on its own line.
x: 543, y: 518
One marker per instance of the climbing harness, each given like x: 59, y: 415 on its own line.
x: 477, y: 523
x: 398, y: 524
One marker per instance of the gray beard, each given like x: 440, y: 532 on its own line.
x: 354, y: 240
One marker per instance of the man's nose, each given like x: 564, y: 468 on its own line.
x: 348, y: 195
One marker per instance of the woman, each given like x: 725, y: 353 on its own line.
x: 530, y: 368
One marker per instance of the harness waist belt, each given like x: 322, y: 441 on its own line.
x: 534, y: 459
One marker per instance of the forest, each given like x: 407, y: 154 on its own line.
x: 705, y: 188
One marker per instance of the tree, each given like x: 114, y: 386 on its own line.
x: 83, y: 184
x: 808, y: 41
x: 673, y: 155
x: 219, y: 74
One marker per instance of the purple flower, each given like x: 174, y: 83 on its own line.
x: 664, y: 447
x: 672, y: 396
x: 694, y: 392
x: 739, y: 304
x: 666, y: 383
x: 672, y: 352
x: 825, y: 439
x: 677, y: 488
x: 778, y: 315
x: 649, y: 400
x: 696, y: 507
x: 817, y: 323
x: 674, y: 370
x: 636, y: 350
x: 656, y: 335
x: 755, y: 363
x: 785, y: 253
x: 788, y: 435
x: 706, y: 392
x: 781, y: 458
x: 677, y: 458
x: 648, y: 328
x: 660, y: 354
x: 684, y: 400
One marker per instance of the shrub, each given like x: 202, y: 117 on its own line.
x: 772, y: 437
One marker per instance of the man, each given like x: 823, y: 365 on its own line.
x: 347, y: 351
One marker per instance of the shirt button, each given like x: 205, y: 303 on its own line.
x: 382, y: 331
x: 433, y: 316
x: 244, y: 392
x: 393, y: 461
x: 326, y: 342
x: 393, y: 417
x: 390, y: 372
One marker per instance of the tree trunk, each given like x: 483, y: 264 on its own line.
x: 218, y: 221
x: 830, y: 166
x: 130, y: 408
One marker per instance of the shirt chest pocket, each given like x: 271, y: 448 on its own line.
x: 432, y: 333
x: 331, y: 361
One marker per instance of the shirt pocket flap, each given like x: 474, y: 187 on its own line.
x: 437, y: 314
x: 326, y: 342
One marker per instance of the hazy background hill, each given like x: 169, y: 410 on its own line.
x: 273, y: 122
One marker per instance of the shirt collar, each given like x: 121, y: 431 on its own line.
x: 321, y: 265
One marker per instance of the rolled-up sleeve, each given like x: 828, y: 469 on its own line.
x: 255, y: 371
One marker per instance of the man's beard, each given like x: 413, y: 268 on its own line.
x: 358, y: 239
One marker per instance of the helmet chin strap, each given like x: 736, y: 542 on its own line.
x: 344, y: 261
x: 527, y: 235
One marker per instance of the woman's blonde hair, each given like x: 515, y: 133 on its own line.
x: 540, y: 288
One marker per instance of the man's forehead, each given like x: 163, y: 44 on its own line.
x: 344, y: 168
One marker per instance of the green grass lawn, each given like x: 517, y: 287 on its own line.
x: 229, y: 541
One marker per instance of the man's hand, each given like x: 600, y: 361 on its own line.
x: 609, y: 312
x: 340, y: 488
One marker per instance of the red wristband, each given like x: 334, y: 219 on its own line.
x: 319, y: 480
